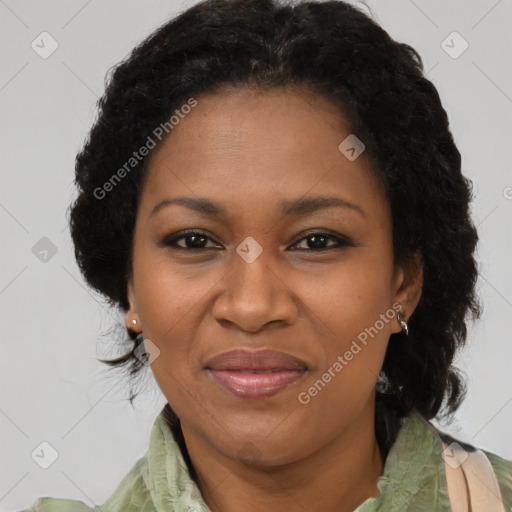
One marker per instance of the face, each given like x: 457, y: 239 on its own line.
x: 269, y: 269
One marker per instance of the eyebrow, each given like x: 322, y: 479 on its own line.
x: 299, y: 206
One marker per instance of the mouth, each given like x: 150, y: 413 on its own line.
x: 255, y: 374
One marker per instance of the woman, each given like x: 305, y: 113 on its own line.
x: 272, y: 195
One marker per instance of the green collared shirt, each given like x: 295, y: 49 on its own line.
x: 413, y: 480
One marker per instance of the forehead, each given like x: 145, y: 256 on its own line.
x: 250, y: 148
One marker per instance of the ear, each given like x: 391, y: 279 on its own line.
x: 407, y: 287
x: 132, y: 313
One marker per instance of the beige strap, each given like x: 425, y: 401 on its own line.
x: 471, y: 481
x: 455, y: 479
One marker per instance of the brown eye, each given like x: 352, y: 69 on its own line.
x: 193, y: 240
x: 318, y: 241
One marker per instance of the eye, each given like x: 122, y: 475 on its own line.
x: 317, y: 241
x: 195, y: 240
x: 198, y: 240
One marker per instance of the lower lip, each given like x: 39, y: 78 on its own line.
x: 255, y: 385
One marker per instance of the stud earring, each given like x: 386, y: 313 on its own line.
x: 402, y: 322
x: 133, y: 323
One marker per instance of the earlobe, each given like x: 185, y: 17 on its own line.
x: 132, y: 316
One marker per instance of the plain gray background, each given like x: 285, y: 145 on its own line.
x: 53, y: 389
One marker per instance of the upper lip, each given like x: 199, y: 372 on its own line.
x: 241, y: 359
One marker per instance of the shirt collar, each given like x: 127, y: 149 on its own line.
x: 412, y: 477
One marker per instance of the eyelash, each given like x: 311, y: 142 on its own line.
x: 171, y: 241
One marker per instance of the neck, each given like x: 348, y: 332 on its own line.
x: 340, y: 476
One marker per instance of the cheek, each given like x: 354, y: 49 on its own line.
x: 168, y: 296
x: 167, y: 305
x: 354, y: 346
x: 350, y: 298
x: 354, y: 317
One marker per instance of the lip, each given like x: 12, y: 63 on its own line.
x: 255, y: 374
x: 262, y: 384
x: 261, y: 360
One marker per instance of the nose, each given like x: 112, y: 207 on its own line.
x: 255, y: 294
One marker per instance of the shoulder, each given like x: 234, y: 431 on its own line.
x: 503, y: 471
x: 502, y: 468
x: 58, y: 505
x: 130, y: 495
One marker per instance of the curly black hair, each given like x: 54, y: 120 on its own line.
x: 339, y: 52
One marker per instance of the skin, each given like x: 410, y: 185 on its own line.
x: 249, y: 151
